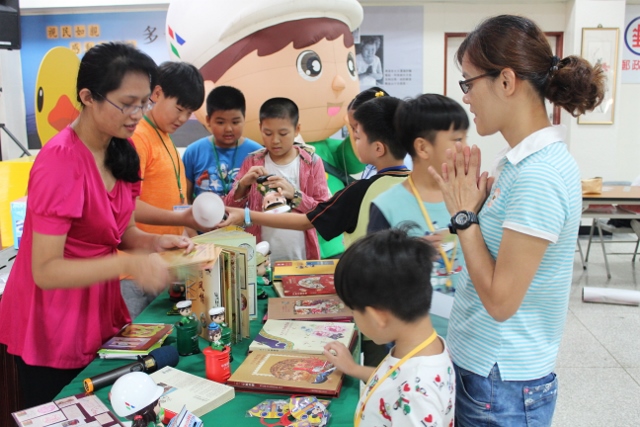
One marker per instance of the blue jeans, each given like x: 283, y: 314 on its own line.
x: 490, y: 401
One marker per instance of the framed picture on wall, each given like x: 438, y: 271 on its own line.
x: 600, y: 47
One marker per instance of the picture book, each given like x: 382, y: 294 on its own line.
x: 236, y: 236
x: 287, y: 373
x: 303, y: 268
x: 294, y: 286
x: 319, y: 307
x: 198, y: 394
x: 73, y: 411
x: 202, y: 256
x: 135, y: 339
x: 301, y: 336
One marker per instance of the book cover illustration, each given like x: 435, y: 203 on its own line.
x: 308, y: 285
x: 303, y: 268
x: 287, y: 372
x: 138, y: 337
x: 321, y: 307
x: 72, y: 411
x: 301, y: 336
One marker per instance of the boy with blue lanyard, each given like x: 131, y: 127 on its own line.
x: 212, y: 162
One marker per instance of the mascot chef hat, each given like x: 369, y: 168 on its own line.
x: 201, y: 29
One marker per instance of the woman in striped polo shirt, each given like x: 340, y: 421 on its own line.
x: 518, y: 229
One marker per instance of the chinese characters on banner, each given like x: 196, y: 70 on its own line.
x: 49, y: 43
x: 631, y: 46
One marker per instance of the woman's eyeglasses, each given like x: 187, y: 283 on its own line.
x: 465, y: 86
x: 129, y: 110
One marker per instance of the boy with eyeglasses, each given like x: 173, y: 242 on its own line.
x: 162, y: 207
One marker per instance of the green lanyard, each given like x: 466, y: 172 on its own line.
x: 226, y: 184
x: 176, y: 171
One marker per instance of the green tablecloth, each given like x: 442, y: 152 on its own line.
x: 341, y: 408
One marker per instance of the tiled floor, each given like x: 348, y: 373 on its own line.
x: 599, y: 362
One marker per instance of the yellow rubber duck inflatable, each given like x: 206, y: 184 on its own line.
x: 55, y: 103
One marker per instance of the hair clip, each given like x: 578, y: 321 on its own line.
x: 379, y: 94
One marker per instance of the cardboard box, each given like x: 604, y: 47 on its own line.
x: 18, y: 214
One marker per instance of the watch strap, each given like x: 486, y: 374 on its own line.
x: 247, y: 216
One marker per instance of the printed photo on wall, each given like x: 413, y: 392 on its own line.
x: 369, y: 60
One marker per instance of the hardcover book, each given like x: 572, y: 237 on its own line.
x: 303, y: 268
x: 301, y: 336
x: 294, y: 286
x: 135, y: 339
x: 287, y: 373
x: 198, y: 394
x: 319, y: 307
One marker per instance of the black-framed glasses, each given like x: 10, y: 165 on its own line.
x: 465, y: 86
x: 129, y: 110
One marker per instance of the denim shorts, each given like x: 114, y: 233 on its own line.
x: 490, y: 401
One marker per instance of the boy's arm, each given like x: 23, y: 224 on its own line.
x: 243, y: 184
x: 377, y: 220
x: 189, y: 191
x: 152, y: 215
x: 290, y: 221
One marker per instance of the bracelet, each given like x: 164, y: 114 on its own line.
x: 247, y: 216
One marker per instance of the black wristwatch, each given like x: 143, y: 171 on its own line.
x: 462, y: 220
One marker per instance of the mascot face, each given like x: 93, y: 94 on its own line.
x: 321, y: 79
x: 273, y: 48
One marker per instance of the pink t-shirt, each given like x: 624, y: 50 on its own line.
x: 63, y: 328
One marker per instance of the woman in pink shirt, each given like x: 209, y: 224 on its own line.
x: 62, y: 299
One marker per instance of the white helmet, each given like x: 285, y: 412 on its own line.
x: 133, y: 392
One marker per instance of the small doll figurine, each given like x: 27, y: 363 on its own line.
x: 135, y: 396
x: 273, y: 201
x: 217, y: 316
x: 184, y: 308
x: 215, y: 335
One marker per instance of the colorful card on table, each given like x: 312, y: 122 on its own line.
x: 303, y: 268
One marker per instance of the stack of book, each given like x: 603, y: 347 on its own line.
x: 307, y: 292
x: 135, y: 339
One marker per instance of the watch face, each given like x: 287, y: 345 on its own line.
x: 462, y: 218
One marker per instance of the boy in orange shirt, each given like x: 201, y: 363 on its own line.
x: 162, y: 207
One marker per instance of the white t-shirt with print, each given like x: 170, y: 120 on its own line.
x: 421, y: 392
x: 285, y: 244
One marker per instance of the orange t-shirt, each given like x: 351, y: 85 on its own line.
x: 159, y: 186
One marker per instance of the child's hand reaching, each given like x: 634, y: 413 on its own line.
x: 340, y: 356
x: 278, y: 182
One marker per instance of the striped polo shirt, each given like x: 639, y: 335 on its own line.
x: 538, y: 193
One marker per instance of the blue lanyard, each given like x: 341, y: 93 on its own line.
x: 393, y: 169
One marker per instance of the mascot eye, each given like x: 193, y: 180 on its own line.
x: 309, y: 65
x: 40, y: 99
x: 351, y: 66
